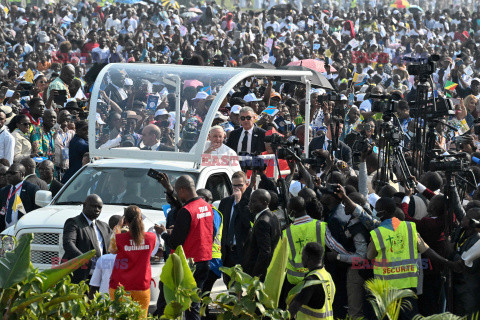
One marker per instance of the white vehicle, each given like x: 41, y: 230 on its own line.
x: 120, y: 176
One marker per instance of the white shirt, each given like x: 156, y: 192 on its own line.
x: 113, y: 23
x: 14, y: 213
x: 7, y: 144
x: 103, y: 271
x: 249, y: 141
x: 223, y: 150
x: 103, y: 54
x: 275, y: 26
x: 97, y: 231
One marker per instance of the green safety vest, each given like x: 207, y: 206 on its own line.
x: 397, y: 255
x: 326, y: 312
x: 298, y: 236
x: 217, y: 247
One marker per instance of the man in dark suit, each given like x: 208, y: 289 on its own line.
x: 77, y: 148
x: 249, y: 138
x: 114, y: 90
x: 46, y: 170
x: 84, y: 233
x: 236, y: 221
x: 30, y: 175
x: 263, y: 237
x: 25, y: 189
x: 342, y: 152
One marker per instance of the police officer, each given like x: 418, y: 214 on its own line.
x: 316, y: 301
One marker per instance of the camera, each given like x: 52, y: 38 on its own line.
x: 444, y: 107
x: 442, y: 164
x: 315, y: 162
x: 423, y: 69
x: 360, y: 144
x: 328, y: 97
x: 127, y: 141
x: 330, y: 188
x: 155, y: 174
x: 252, y: 162
x: 287, y: 149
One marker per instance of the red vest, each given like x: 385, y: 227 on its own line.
x: 132, y: 264
x: 198, y: 244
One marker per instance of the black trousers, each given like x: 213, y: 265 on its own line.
x: 200, y: 275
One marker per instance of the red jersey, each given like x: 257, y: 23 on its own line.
x: 198, y: 244
x: 132, y: 265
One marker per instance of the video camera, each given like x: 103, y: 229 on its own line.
x: 426, y: 66
x: 287, y: 149
x: 384, y: 102
x: 360, y: 143
x: 442, y: 163
x: 444, y: 107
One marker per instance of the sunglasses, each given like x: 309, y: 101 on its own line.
x: 246, y: 118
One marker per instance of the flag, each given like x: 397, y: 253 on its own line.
x: 29, y: 76
x: 18, y: 206
x: 207, y: 90
x: 449, y: 85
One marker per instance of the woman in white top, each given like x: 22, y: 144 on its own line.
x: 20, y: 127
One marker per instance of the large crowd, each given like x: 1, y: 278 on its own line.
x: 51, y: 55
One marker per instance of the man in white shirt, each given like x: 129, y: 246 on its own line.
x: 215, y: 145
x: 113, y: 22
x: 101, y: 53
x: 133, y: 22
x: 7, y: 141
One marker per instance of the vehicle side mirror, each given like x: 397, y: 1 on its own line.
x: 43, y: 198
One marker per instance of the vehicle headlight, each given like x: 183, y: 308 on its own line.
x: 8, y: 244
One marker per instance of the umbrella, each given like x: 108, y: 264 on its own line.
x: 192, y: 83
x: 256, y: 65
x: 316, y: 65
x: 316, y: 79
x: 196, y: 10
x: 415, y: 9
x: 283, y: 7
x: 400, y: 4
x: 172, y: 4
x: 188, y: 15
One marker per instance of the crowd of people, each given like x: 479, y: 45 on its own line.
x: 50, y: 57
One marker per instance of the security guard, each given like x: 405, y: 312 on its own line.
x: 315, y: 301
x: 303, y: 230
x: 394, y: 247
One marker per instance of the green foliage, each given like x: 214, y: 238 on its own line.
x: 386, y: 300
x: 301, y: 285
x: 27, y: 293
x: 179, y: 286
x: 245, y: 299
x: 442, y: 316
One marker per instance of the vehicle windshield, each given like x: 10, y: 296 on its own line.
x: 122, y: 186
x: 131, y: 95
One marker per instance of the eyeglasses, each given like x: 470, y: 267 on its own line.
x: 246, y: 118
x: 238, y: 185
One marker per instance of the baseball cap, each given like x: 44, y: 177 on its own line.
x: 251, y: 97
x: 201, y: 96
x: 160, y: 112
x: 275, y: 94
x: 235, y: 109
x: 219, y: 115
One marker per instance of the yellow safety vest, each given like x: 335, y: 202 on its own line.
x: 397, y: 255
x: 298, y: 236
x: 217, y: 247
x: 326, y: 312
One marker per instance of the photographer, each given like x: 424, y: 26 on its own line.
x: 343, y: 152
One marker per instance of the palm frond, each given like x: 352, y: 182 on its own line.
x: 386, y: 300
x: 441, y: 316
